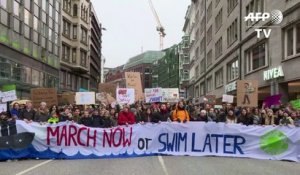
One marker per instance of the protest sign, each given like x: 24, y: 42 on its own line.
x: 272, y: 100
x: 66, y: 98
x: 170, y: 95
x: 133, y: 80
x: 105, y: 98
x: 3, y: 107
x: 295, y: 104
x: 48, y: 95
x: 109, y: 88
x: 73, y: 141
x: 227, y: 98
x: 153, y: 95
x: 125, y: 96
x: 85, y: 98
x: 247, y: 93
x: 9, y: 96
x: 211, y: 99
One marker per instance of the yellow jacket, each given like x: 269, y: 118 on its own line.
x: 181, y: 115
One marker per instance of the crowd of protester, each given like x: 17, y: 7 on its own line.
x: 106, y: 116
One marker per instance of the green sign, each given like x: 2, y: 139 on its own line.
x: 295, y: 104
x: 9, y: 87
x: 274, y: 142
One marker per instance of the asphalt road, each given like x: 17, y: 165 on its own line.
x: 150, y: 165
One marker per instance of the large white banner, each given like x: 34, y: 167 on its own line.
x: 153, y: 95
x: 85, y: 98
x: 125, y: 96
x: 69, y: 140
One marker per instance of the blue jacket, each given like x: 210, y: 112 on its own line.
x: 15, y: 112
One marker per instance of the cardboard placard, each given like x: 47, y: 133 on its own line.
x: 108, y: 88
x: 105, y: 98
x: 133, y: 81
x: 211, y: 99
x: 48, y: 95
x: 66, y: 98
x: 247, y: 93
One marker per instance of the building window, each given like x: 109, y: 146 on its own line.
x: 209, y: 58
x: 202, y: 88
x: 256, y: 57
x: 233, y: 70
x: 26, y: 75
x: 197, y: 71
x: 231, y: 5
x: 17, y: 25
x: 202, y: 45
x: 202, y: 66
x: 27, y: 17
x: 35, y: 23
x: 209, y: 83
x: 83, y: 35
x: 219, y: 78
x: 74, y: 31
x: 67, y: 6
x: 4, y: 17
x: 255, y: 6
x: 83, y: 56
x: 219, y: 20
x: 44, y: 5
x: 292, y: 41
x: 75, y: 10
x: 209, y: 34
x: 69, y: 80
x: 62, y: 78
x: 232, y: 33
x: 3, y: 4
x: 17, y: 8
x: 219, y: 48
x: 5, y: 70
x: 35, y: 77
x: 209, y: 11
x: 65, y: 53
x: 202, y: 26
x: 74, y: 55
x: 66, y: 28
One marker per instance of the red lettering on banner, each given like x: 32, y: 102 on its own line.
x: 54, y: 133
x: 127, y: 141
x: 63, y: 136
x: 78, y: 136
x: 116, y: 138
x: 106, y: 137
x: 93, y: 138
x: 120, y: 137
x: 72, y: 135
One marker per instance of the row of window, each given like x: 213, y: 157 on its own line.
x: 72, y: 82
x: 67, y: 4
x: 21, y: 43
x: 68, y: 27
x: 69, y: 57
x: 18, y: 72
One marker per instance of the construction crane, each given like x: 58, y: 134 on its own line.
x: 159, y: 27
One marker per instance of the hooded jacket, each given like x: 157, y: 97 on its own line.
x: 181, y: 115
x: 126, y: 117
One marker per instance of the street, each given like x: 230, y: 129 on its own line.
x: 168, y: 165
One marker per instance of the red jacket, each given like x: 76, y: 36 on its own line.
x: 126, y: 118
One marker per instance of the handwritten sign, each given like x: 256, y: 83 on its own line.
x: 153, y: 95
x: 227, y: 98
x: 48, y: 95
x: 85, y: 98
x: 133, y: 80
x: 9, y: 96
x: 125, y: 96
x: 109, y: 88
x: 3, y: 107
x: 170, y: 95
x: 247, y: 93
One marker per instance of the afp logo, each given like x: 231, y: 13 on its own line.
x: 275, y: 17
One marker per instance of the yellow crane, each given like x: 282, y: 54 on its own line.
x: 159, y: 27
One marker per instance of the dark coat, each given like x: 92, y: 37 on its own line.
x: 29, y: 115
x: 86, y: 121
x: 161, y: 116
x: 98, y: 121
x: 41, y: 116
x: 245, y: 119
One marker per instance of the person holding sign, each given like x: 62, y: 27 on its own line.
x: 126, y: 117
x: 180, y: 114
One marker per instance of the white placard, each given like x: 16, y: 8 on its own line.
x: 227, y: 98
x: 85, y: 98
x: 125, y: 96
x: 153, y: 95
x: 3, y: 108
x: 9, y: 96
x: 170, y: 95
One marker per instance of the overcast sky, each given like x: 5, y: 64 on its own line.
x: 131, y: 26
